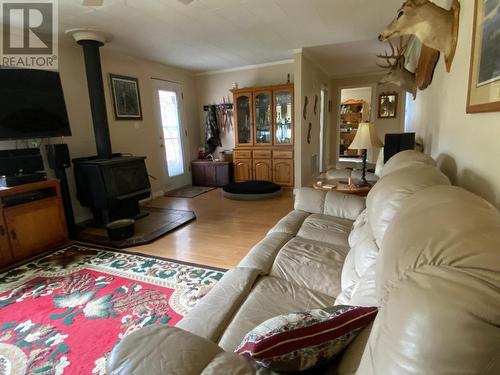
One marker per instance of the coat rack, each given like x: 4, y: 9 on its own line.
x: 224, y: 116
x: 226, y: 106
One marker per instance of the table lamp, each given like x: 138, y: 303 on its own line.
x: 366, y: 138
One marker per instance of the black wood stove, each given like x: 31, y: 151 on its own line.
x: 111, y: 185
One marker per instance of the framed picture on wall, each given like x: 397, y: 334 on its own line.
x: 388, y: 105
x: 126, y: 97
x: 484, y: 76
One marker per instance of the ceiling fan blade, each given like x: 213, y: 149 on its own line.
x: 92, y: 3
x: 186, y: 2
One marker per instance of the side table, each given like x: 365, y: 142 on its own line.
x: 342, y: 186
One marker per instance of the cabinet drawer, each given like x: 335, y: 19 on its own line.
x: 242, y: 154
x: 262, y: 154
x: 282, y: 154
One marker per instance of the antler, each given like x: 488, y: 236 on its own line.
x: 397, y: 54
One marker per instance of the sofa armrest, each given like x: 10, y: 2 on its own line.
x: 334, y: 203
x: 209, y: 318
x: 160, y: 350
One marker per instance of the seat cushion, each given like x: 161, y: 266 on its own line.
x: 311, y: 264
x: 270, y: 297
x: 324, y: 228
x: 262, y: 255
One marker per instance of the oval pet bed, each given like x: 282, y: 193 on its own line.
x: 251, y: 190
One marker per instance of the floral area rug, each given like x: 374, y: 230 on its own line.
x: 64, y: 313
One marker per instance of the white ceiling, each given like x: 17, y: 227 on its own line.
x: 221, y: 34
x: 349, y: 59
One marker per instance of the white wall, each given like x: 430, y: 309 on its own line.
x: 466, y: 145
x: 309, y: 80
x: 213, y: 87
x: 136, y: 137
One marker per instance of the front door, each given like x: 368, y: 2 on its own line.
x: 172, y: 134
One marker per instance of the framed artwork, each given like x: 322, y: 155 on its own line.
x: 126, y: 97
x: 388, y: 105
x: 484, y: 76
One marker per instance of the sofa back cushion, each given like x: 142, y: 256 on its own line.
x: 333, y: 203
x: 358, y: 271
x: 405, y: 159
x: 438, y: 285
x: 387, y: 196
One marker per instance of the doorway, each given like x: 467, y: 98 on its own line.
x: 172, y: 134
x: 355, y: 107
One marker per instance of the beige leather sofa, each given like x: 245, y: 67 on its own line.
x: 426, y: 253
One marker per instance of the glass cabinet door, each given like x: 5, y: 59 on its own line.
x: 244, y: 119
x: 263, y: 118
x: 283, y: 117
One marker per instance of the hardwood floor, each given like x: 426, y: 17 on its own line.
x: 224, y: 231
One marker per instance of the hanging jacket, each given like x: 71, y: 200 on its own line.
x: 212, y: 131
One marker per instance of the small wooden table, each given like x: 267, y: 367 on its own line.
x: 342, y: 186
x: 211, y: 173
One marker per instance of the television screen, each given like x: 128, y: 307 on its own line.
x: 32, y: 104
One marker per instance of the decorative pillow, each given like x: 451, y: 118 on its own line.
x: 303, y: 340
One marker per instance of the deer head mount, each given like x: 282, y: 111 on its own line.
x: 398, y: 75
x: 434, y: 26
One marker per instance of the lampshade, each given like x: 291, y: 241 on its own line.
x: 366, y: 137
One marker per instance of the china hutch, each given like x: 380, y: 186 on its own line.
x: 352, y: 112
x: 264, y: 134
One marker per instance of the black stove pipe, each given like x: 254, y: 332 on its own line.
x: 96, y: 95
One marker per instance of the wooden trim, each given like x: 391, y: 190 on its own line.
x: 353, y: 102
x: 262, y: 88
x: 477, y: 108
x: 4, y: 191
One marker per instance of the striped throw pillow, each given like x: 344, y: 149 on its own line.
x: 303, y: 340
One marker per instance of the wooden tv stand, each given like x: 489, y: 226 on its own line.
x: 30, y: 225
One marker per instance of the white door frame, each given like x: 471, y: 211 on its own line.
x: 175, y: 182
x: 323, y: 130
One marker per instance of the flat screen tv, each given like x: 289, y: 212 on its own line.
x: 32, y: 105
